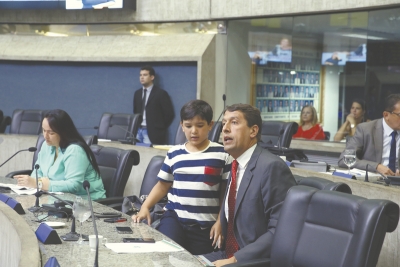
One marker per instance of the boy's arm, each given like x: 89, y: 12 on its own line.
x: 159, y: 191
x: 216, y: 229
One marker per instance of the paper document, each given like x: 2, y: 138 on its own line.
x: 203, y: 260
x: 103, y: 140
x: 164, y: 147
x: 159, y: 246
x: 20, y: 190
x: 360, y: 174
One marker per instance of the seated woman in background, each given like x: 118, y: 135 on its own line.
x: 308, y: 126
x: 356, y: 116
x: 65, y: 160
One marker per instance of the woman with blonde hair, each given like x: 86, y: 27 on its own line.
x: 308, y: 126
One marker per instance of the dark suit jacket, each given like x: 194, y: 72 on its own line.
x: 261, y: 192
x: 368, y: 143
x: 159, y: 113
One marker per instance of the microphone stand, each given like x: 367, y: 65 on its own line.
x: 72, y: 235
x: 38, y: 193
x: 130, y: 140
x: 31, y: 149
x: 86, y: 186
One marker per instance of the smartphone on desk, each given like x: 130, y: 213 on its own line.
x: 138, y: 240
x: 124, y: 230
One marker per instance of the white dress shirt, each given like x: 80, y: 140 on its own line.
x: 147, y: 98
x: 387, y: 139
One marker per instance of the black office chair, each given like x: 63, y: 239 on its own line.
x: 115, y: 166
x: 327, y: 135
x: 180, y: 137
x: 326, y: 228
x: 119, y: 127
x: 274, y: 131
x: 89, y: 139
x: 4, y: 122
x: 27, y: 121
x: 150, y: 176
x: 215, y: 132
x: 322, y: 184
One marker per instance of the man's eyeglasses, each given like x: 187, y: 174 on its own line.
x: 398, y: 114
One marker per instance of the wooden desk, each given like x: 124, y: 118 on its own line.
x: 73, y: 254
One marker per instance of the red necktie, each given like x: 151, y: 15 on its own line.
x: 231, y: 244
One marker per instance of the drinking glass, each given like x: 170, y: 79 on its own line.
x: 349, y: 158
x: 81, y: 213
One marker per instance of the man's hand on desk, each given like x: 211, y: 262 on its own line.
x: 219, y: 263
x: 385, y: 170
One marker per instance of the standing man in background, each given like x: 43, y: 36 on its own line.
x: 156, y: 108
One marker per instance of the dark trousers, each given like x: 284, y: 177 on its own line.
x: 194, y: 239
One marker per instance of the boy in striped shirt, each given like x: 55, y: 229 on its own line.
x: 194, y: 177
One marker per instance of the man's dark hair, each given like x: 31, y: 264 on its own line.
x: 391, y: 101
x: 250, y: 113
x: 150, y: 69
x: 195, y: 108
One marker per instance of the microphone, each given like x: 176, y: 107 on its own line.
x: 279, y: 140
x: 366, y: 174
x: 223, y: 99
x: 131, y: 140
x: 31, y: 149
x: 387, y: 180
x: 86, y: 186
x: 38, y: 193
x: 72, y: 235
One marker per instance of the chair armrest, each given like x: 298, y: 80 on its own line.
x: 112, y: 202
x: 22, y: 172
x: 252, y: 263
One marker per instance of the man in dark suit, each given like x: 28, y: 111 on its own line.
x: 373, y: 141
x: 156, y: 107
x: 257, y: 186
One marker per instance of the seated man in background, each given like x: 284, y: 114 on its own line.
x: 258, y: 185
x: 377, y: 142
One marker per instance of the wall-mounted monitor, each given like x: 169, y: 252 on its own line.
x: 269, y: 47
x: 340, y: 58
x: 67, y: 4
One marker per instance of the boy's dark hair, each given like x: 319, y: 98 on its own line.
x: 195, y: 108
x: 150, y: 69
x: 250, y: 113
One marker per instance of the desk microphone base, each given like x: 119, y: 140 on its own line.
x: 35, y: 209
x: 70, y: 237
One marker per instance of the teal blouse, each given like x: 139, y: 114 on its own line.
x: 68, y: 172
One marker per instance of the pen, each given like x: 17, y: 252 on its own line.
x: 172, y: 244
x: 120, y: 220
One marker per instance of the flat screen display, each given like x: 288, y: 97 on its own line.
x: 340, y: 58
x: 93, y: 4
x: 269, y: 47
x: 65, y: 4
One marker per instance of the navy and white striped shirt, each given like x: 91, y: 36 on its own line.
x: 196, y: 178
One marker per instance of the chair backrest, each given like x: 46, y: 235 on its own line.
x: 27, y: 121
x: 89, y: 139
x: 115, y: 166
x: 150, y: 176
x: 118, y: 126
x: 322, y: 184
x: 271, y: 132
x: 327, y: 135
x: 327, y: 228
x: 4, y: 122
x: 215, y: 132
x: 180, y: 137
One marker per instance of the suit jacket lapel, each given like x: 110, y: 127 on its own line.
x: 247, y: 176
x: 378, y: 139
x: 151, y: 96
